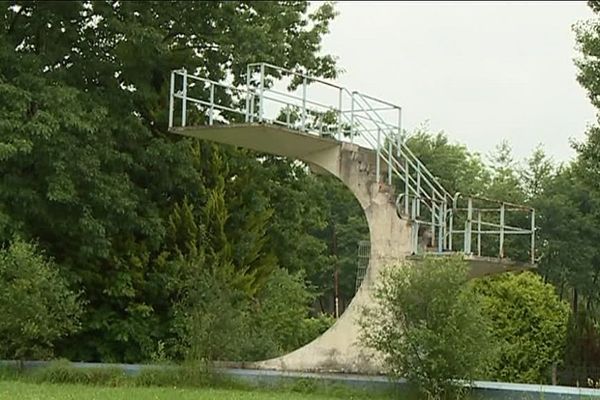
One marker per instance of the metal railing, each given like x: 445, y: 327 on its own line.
x: 311, y: 105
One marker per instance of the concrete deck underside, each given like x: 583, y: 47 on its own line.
x: 338, y: 349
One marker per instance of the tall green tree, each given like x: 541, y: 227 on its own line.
x: 88, y: 168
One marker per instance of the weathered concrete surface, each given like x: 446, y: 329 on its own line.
x: 338, y: 349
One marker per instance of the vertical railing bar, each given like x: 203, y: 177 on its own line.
x: 248, y: 93
x: 184, y: 99
x: 172, y: 99
x: 212, y: 104
x: 262, y: 93
x: 418, y: 188
x: 501, y: 247
x: 352, y: 122
x: 440, y: 228
x: 433, y: 241
x: 479, y: 233
x: 533, y: 236
x: 390, y: 150
x: 378, y: 161
x: 406, y: 182
x: 303, y: 127
x: 468, y: 226
x: 340, y: 93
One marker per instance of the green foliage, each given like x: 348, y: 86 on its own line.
x: 458, y: 169
x: 217, y: 321
x: 429, y: 326
x: 90, y: 173
x: 63, y: 372
x: 36, y: 305
x: 529, y: 321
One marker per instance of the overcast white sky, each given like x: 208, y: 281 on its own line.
x: 480, y: 71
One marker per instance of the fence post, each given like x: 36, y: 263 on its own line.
x: 184, y: 100
x: 172, y: 99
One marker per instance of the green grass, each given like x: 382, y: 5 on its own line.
x: 18, y: 390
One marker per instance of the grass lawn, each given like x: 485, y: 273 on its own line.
x: 31, y: 391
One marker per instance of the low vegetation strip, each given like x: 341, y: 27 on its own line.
x: 16, y: 390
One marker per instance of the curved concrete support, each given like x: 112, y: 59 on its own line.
x: 338, y: 349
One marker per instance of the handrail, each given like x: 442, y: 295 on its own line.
x: 365, y: 119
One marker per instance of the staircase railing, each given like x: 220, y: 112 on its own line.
x: 315, y: 106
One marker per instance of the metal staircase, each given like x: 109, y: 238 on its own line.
x: 441, y: 222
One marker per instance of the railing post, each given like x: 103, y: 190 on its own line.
x: 184, y: 100
x: 172, y: 99
x: 501, y: 247
x: 248, y: 93
x: 433, y: 240
x: 390, y: 151
x: 303, y: 104
x: 406, y: 181
x: 533, y: 236
x: 378, y: 161
x: 212, y: 104
x: 479, y: 233
x: 415, y: 228
x: 418, y: 188
x: 441, y: 228
x: 339, y: 125
x: 352, y: 126
x: 399, y: 137
x: 262, y: 92
x: 468, y: 226
x: 450, y: 230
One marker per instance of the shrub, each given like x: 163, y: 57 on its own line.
x: 427, y: 324
x: 529, y: 322
x: 63, y: 371
x: 36, y: 306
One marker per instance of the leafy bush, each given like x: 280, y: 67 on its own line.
x: 36, y: 306
x: 529, y: 322
x: 217, y: 321
x: 63, y: 371
x: 427, y: 324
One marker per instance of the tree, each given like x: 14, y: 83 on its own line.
x: 428, y: 325
x: 36, y: 305
x: 458, y: 169
x: 88, y: 168
x: 529, y: 321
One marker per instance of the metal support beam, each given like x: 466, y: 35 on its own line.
x: 479, y: 233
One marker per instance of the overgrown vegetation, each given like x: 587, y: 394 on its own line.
x: 36, y: 306
x: 153, y: 247
x: 429, y: 326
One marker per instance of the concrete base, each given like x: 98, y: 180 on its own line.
x: 338, y: 349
